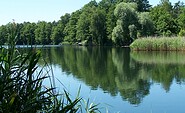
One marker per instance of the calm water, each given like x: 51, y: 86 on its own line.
x: 120, y: 80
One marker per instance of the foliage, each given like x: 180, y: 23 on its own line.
x: 58, y: 33
x: 71, y: 28
x: 43, y: 33
x: 111, y: 22
x: 3, y: 34
x: 142, y: 5
x: 182, y: 33
x: 163, y: 19
x: 98, y: 27
x: 84, y: 21
x: 146, y: 24
x: 104, y: 23
x: 27, y: 34
x: 126, y: 14
x: 117, y: 34
x: 181, y: 18
x: 21, y: 83
x: 132, y: 31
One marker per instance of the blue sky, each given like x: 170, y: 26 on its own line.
x: 38, y: 10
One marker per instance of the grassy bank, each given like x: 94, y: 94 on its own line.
x: 159, y: 44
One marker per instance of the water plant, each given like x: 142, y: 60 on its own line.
x: 21, y: 83
x: 159, y: 44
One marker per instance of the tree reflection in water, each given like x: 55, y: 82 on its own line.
x: 117, y: 70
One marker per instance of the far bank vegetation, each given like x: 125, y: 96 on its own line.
x: 108, y: 22
x: 159, y: 44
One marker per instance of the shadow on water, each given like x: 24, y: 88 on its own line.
x: 119, y: 71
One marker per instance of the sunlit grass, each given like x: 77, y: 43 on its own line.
x: 159, y: 44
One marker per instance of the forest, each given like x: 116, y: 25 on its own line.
x: 108, y: 22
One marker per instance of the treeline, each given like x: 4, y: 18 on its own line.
x: 109, y: 22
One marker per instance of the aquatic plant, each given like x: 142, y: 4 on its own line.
x: 159, y: 44
x: 21, y: 83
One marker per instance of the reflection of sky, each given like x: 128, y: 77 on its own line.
x: 162, y: 102
x: 158, y: 101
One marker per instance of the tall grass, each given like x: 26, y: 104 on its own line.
x: 159, y: 44
x: 21, y: 84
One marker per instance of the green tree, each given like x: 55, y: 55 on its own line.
x: 83, y: 25
x: 132, y: 32
x: 126, y: 14
x: 70, y: 29
x: 181, y: 18
x: 142, y: 5
x: 108, y: 7
x: 146, y: 24
x: 177, y: 9
x: 98, y: 27
x: 58, y: 35
x: 27, y: 35
x: 106, y: 4
x: 3, y: 34
x: 162, y: 17
x: 43, y: 33
x: 110, y: 22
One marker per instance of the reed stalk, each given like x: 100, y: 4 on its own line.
x: 21, y: 83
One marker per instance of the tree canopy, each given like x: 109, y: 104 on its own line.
x: 109, y: 22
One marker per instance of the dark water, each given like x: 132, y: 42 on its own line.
x: 120, y: 80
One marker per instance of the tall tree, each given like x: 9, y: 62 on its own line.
x: 84, y: 22
x: 177, y: 9
x: 146, y: 24
x: 98, y: 27
x: 3, y: 34
x: 163, y: 18
x: 58, y: 35
x: 181, y: 20
x: 43, y: 33
x: 126, y: 14
x: 27, y: 35
x: 142, y: 5
x: 110, y: 22
x: 70, y: 28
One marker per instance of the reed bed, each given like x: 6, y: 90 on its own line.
x: 159, y: 44
x: 21, y: 84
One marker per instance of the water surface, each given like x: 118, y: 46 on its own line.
x: 120, y: 80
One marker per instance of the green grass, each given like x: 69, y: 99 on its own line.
x: 159, y: 44
x: 21, y: 84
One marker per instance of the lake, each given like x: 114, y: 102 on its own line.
x: 120, y: 80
